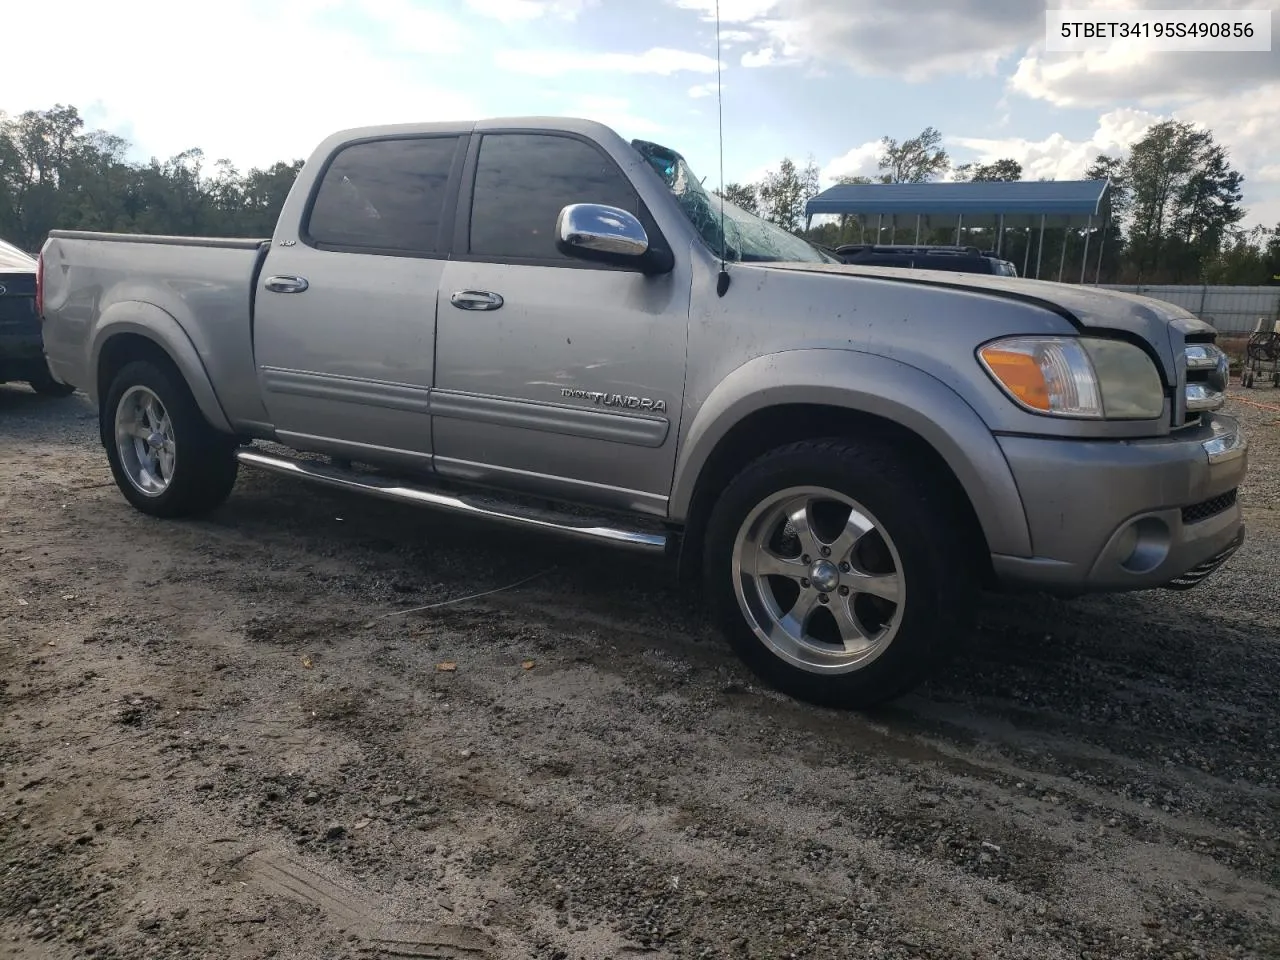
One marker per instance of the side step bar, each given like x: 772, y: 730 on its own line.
x: 389, y: 489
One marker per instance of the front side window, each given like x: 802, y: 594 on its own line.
x: 384, y: 196
x: 522, y: 183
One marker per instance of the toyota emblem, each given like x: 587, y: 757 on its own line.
x: 3, y: 289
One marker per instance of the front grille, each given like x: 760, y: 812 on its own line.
x: 1203, y: 377
x: 1209, y: 508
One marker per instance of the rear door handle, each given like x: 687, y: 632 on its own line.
x: 287, y: 284
x: 476, y: 300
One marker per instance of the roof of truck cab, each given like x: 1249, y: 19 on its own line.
x: 568, y: 124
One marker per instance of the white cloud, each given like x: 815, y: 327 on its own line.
x: 1245, y: 126
x: 515, y: 10
x: 731, y: 11
x: 708, y: 89
x: 658, y: 60
x: 1058, y: 157
x: 411, y: 28
x: 180, y: 94
x: 923, y: 39
x: 755, y: 175
x: 858, y: 162
x: 1134, y: 73
x: 913, y: 39
x: 759, y: 58
x: 614, y: 112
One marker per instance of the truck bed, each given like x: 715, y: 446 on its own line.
x: 205, y: 284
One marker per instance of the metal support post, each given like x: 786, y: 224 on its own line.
x: 1040, y: 248
x: 1084, y: 259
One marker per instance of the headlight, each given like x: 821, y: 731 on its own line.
x: 1087, y: 378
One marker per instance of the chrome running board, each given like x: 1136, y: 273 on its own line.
x: 511, y: 514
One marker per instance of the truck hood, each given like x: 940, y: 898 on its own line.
x: 1164, y: 326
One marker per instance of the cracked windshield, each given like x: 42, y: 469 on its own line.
x: 737, y: 234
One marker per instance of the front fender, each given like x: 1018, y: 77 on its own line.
x: 149, y: 321
x: 873, y: 385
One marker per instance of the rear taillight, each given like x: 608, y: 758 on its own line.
x: 40, y: 286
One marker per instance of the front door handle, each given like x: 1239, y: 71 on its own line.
x: 476, y: 300
x: 287, y: 284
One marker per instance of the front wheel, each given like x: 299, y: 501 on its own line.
x: 166, y: 458
x: 839, y: 571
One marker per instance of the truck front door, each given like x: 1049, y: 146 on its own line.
x: 344, y: 327
x: 555, y: 375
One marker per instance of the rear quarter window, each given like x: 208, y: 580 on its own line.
x: 384, y: 196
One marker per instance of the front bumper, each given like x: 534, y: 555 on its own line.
x: 1127, y: 515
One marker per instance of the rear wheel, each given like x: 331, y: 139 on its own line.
x: 838, y: 571
x: 166, y: 458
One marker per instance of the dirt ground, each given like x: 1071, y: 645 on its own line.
x: 230, y: 739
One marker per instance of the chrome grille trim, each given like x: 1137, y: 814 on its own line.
x: 1204, y: 375
x: 1200, y: 398
x: 1202, y: 356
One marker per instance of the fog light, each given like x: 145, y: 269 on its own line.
x: 1127, y: 543
x: 1143, y: 545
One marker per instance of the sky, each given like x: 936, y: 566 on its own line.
x: 256, y: 81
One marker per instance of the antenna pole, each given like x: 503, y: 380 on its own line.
x: 722, y: 281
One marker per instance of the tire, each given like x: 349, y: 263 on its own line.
x: 191, y: 468
x: 46, y: 386
x: 907, y: 542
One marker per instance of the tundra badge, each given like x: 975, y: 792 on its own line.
x: 600, y: 398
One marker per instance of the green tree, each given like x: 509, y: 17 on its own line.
x: 744, y: 195
x: 54, y: 173
x: 915, y: 160
x: 1242, y: 261
x: 785, y: 191
x: 1185, y: 201
x: 1271, y: 256
x: 1003, y: 170
x: 1108, y: 242
x: 844, y: 233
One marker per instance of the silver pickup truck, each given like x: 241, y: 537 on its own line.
x: 536, y: 322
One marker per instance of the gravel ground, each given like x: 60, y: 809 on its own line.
x: 231, y: 739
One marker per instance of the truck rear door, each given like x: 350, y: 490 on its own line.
x: 346, y: 301
x: 555, y: 375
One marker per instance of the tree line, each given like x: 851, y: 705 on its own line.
x: 1176, y: 209
x: 55, y: 174
x: 1176, y: 200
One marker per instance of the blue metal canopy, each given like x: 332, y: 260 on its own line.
x: 1021, y: 203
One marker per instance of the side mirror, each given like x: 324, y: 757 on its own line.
x: 593, y: 231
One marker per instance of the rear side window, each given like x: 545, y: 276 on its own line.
x: 522, y: 183
x: 385, y: 196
